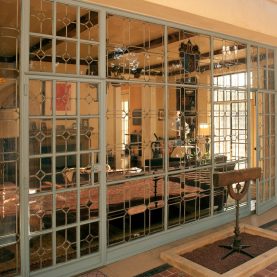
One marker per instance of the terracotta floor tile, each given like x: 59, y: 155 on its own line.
x: 258, y: 274
x: 272, y: 267
x: 262, y: 273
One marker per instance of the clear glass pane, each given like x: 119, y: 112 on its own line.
x: 9, y: 50
x: 271, y: 79
x: 40, y: 136
x: 135, y: 209
x: 41, y: 16
x: 189, y: 127
x: 66, y: 20
x: 40, y: 98
x: 230, y: 105
x: 66, y: 135
x: 40, y: 212
x: 89, y: 199
x: 135, y: 49
x: 89, y: 173
x: 66, y: 57
x: 65, y: 171
x: 40, y: 174
x: 41, y: 251
x: 66, y: 249
x: 66, y: 96
x: 253, y: 57
x: 40, y: 54
x: 270, y: 57
x: 89, y: 59
x: 189, y: 196
x: 135, y: 129
x: 89, y: 134
x: 66, y: 206
x: 9, y: 138
x: 229, y: 57
x: 89, y: 238
x: 188, y: 57
x: 89, y: 25
x: 89, y: 99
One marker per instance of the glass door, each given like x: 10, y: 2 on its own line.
x: 266, y: 150
x: 10, y: 183
x: 263, y: 123
x: 61, y: 140
x: 64, y: 172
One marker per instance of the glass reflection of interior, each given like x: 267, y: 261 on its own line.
x: 169, y: 124
x: 10, y: 240
x: 64, y: 151
x: 138, y: 140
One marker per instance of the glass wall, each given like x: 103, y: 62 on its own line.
x: 263, y: 100
x: 159, y: 120
x: 9, y: 137
x: 63, y: 124
x: 126, y: 125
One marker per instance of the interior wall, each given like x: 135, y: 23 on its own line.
x: 258, y: 15
x: 248, y: 19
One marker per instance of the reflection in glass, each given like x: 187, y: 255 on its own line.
x: 41, y: 16
x: 66, y: 20
x: 135, y: 129
x: 66, y: 57
x: 230, y: 117
x: 189, y: 126
x: 65, y: 171
x: 40, y: 54
x: 9, y: 138
x: 40, y: 212
x: 89, y: 207
x: 89, y: 25
x: 135, y: 209
x: 66, y: 206
x: 66, y: 245
x: 40, y: 97
x: 189, y: 197
x: 40, y: 136
x: 40, y: 251
x: 188, y: 57
x: 136, y: 51
x: 89, y: 238
x: 89, y: 59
